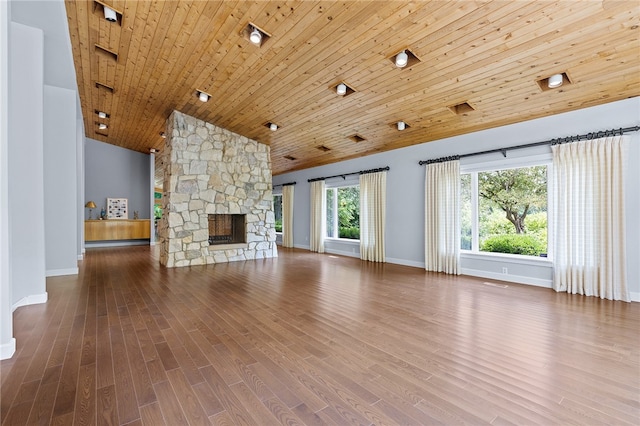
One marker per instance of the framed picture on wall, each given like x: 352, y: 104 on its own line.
x: 117, y: 208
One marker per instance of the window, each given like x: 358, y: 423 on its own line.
x: 343, y: 212
x: 277, y: 211
x: 504, y: 211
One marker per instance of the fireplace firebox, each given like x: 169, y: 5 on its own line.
x: 227, y: 229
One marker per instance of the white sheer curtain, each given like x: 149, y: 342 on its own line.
x: 287, y: 215
x: 589, y: 219
x: 442, y: 217
x: 318, y: 223
x: 373, y: 205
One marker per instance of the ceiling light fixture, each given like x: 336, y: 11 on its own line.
x: 204, y: 97
x: 273, y: 127
x: 102, y: 126
x: 555, y: 81
x: 109, y: 14
x: 256, y: 36
x: 401, y: 59
x: 163, y: 135
x: 341, y: 89
x: 401, y: 125
x: 102, y: 114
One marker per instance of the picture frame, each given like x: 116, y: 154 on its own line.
x: 117, y: 208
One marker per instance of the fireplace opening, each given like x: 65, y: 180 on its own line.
x: 227, y: 229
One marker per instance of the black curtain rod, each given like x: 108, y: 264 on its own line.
x: 284, y: 184
x: 344, y: 175
x: 503, y: 151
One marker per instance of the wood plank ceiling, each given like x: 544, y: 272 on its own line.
x: 487, y: 56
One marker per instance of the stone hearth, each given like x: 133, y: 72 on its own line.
x: 209, y: 170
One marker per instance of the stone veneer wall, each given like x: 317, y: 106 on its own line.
x: 208, y: 169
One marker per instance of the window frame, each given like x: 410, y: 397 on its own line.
x: 276, y: 194
x: 505, y: 164
x: 335, y: 187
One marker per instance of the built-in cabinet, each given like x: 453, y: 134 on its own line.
x: 117, y: 229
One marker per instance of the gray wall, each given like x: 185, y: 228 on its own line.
x: 114, y: 172
x: 405, y: 190
x: 60, y: 181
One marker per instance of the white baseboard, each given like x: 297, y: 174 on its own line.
x: 33, y: 299
x: 81, y: 256
x: 507, y: 277
x: 635, y: 297
x: 8, y: 349
x: 59, y: 272
x: 405, y: 262
x: 300, y: 246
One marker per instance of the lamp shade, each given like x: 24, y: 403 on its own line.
x: 555, y: 81
x: 110, y: 14
x: 401, y: 59
x: 90, y: 205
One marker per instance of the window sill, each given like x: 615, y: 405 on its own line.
x: 343, y: 240
x: 507, y: 258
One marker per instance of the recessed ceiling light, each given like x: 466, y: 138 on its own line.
x: 204, y: 97
x: 102, y: 126
x: 273, y: 127
x: 163, y: 135
x: 342, y: 89
x: 555, y: 81
x: 401, y: 125
x: 256, y: 36
x: 110, y: 14
x: 402, y: 59
x: 102, y: 114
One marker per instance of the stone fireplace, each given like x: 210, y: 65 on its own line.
x: 217, y: 201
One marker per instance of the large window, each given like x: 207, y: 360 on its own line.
x: 343, y: 212
x: 277, y: 211
x: 504, y: 211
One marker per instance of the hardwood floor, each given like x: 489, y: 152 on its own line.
x: 315, y: 339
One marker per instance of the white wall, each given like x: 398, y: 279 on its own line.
x: 35, y: 49
x: 60, y: 181
x: 7, y: 342
x: 405, y: 189
x: 80, y: 181
x: 26, y: 176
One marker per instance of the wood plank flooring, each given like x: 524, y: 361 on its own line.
x: 314, y: 339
